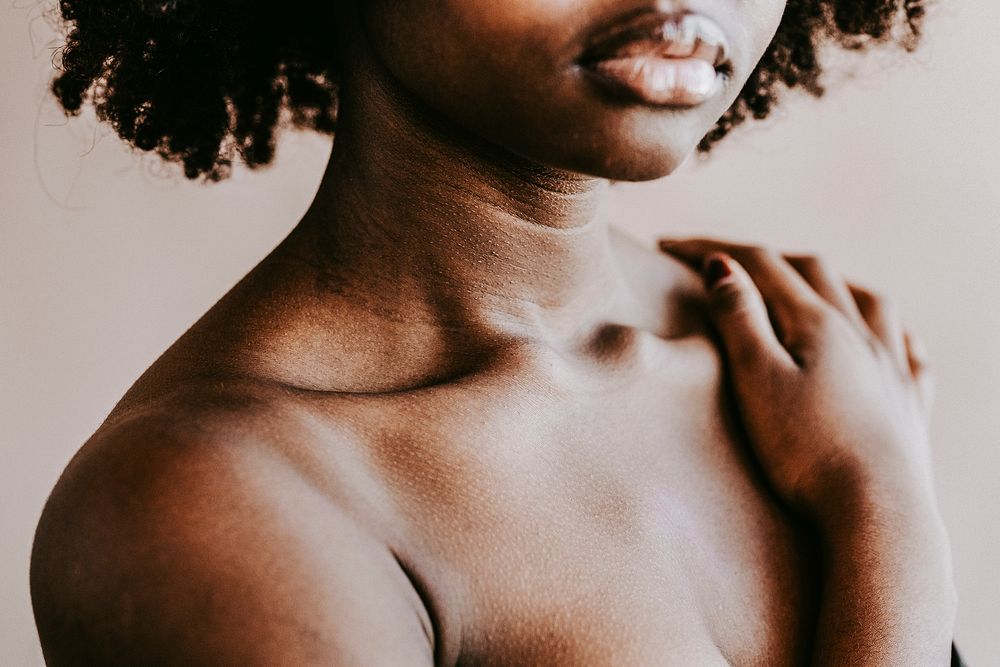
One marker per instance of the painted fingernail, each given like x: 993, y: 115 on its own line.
x: 715, y: 270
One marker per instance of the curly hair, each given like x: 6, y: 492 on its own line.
x: 204, y: 83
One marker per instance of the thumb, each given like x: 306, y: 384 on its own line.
x: 739, y: 313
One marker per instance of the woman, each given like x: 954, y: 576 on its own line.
x: 455, y: 419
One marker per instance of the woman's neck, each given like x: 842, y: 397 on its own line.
x: 418, y: 219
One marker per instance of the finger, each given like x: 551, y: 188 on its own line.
x: 883, y: 321
x: 738, y: 311
x: 789, y: 298
x: 916, y: 354
x: 829, y: 285
x: 917, y: 359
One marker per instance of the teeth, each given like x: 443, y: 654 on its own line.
x: 688, y: 34
x: 693, y: 37
x: 671, y: 31
x: 678, y: 40
x: 685, y: 36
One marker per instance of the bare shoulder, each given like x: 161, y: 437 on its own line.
x: 206, y: 541
x: 646, y: 259
x: 671, y: 293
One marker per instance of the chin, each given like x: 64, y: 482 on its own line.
x: 621, y: 98
x: 646, y: 171
x: 635, y: 168
x: 636, y: 147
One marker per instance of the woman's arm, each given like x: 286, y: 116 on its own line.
x: 887, y: 592
x: 835, y: 398
x: 163, y: 548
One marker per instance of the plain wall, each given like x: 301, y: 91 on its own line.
x: 105, y: 258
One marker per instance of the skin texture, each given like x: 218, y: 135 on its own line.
x: 834, y: 357
x: 541, y: 42
x: 455, y: 419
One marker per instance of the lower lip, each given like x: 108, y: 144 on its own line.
x: 658, y: 81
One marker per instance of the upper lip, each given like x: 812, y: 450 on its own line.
x: 669, y: 35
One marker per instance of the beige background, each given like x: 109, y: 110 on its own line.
x: 105, y: 258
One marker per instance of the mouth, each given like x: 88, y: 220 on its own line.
x: 671, y: 60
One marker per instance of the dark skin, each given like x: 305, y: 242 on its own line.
x: 455, y: 419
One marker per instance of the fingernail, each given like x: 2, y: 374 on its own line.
x: 715, y: 270
x: 666, y: 244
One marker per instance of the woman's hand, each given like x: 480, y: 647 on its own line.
x: 835, y: 398
x: 834, y: 395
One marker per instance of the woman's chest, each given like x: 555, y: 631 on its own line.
x: 647, y: 581
x: 632, y: 529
